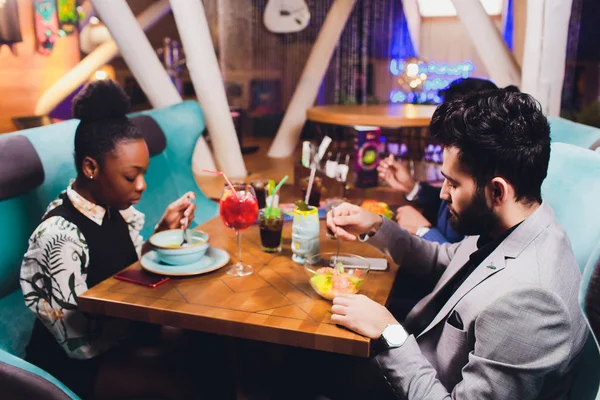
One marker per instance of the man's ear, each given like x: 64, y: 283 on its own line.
x: 499, y: 190
x: 90, y: 168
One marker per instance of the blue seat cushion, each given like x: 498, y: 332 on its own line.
x: 565, y: 131
x: 572, y: 190
x: 16, y: 324
x: 22, y: 380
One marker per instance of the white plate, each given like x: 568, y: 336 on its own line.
x: 212, y: 260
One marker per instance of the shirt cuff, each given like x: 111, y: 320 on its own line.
x: 422, y: 231
x: 413, y: 193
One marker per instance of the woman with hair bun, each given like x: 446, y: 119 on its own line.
x: 90, y: 232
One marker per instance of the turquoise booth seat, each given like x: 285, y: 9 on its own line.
x: 593, y: 264
x: 572, y: 188
x: 22, y: 380
x: 565, y: 131
x: 171, y: 134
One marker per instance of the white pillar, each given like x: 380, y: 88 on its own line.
x: 137, y: 52
x: 312, y: 76
x: 413, y: 20
x: 204, y: 70
x: 546, y: 34
x: 97, y: 58
x: 144, y: 64
x: 487, y: 39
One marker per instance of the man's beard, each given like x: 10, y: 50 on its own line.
x: 476, y: 219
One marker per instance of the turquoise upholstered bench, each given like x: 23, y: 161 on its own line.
x: 572, y: 188
x: 565, y: 131
x: 37, y: 164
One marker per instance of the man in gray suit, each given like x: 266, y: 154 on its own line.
x: 502, y: 320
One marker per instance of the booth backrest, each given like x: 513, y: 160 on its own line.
x: 171, y: 134
x: 565, y: 131
x: 572, y: 188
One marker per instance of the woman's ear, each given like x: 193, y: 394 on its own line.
x: 90, y: 168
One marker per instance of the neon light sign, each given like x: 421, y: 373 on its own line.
x: 439, y: 76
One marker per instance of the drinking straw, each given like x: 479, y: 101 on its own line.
x: 210, y: 171
x: 311, y: 180
x: 279, y: 185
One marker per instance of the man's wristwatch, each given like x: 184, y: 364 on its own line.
x: 394, y: 335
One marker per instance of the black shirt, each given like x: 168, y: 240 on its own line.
x: 485, y: 246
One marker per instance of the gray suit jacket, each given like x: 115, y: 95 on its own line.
x: 522, y: 325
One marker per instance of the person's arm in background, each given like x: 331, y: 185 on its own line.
x: 420, y: 194
x: 443, y: 231
x: 434, y: 235
x: 427, y: 198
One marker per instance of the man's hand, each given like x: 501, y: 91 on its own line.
x: 410, y: 219
x: 347, y: 221
x: 396, y: 175
x: 361, y: 315
x: 178, y: 214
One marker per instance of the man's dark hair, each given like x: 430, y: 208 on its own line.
x: 102, y: 107
x: 498, y: 133
x: 462, y: 87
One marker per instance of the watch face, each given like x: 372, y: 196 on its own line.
x: 395, y: 335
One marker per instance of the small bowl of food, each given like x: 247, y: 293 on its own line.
x: 330, y: 275
x: 169, y: 249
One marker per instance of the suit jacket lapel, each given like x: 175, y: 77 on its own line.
x: 493, y: 264
x: 511, y: 247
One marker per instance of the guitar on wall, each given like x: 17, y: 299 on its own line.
x: 286, y: 16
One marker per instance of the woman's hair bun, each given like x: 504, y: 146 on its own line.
x: 101, y: 99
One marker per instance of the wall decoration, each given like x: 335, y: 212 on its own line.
x: 286, y: 16
x: 68, y: 17
x: 46, y: 25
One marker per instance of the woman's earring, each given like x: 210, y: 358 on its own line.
x: 91, y: 177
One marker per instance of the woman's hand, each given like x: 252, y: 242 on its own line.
x: 178, y: 214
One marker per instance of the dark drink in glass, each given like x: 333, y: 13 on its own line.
x: 271, y: 228
x: 260, y: 189
x: 315, y: 193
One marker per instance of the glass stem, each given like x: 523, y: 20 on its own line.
x: 238, y: 235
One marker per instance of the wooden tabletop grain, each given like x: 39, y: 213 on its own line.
x: 382, y: 115
x: 275, y: 304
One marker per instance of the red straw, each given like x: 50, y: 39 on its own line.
x: 210, y: 171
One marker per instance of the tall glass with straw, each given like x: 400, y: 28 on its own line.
x: 238, y: 209
x: 270, y: 220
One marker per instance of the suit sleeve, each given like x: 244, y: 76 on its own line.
x: 419, y: 257
x: 520, y: 340
x: 428, y: 198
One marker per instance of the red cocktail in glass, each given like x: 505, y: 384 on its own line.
x: 238, y: 211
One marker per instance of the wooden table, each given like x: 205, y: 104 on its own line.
x: 382, y: 115
x: 275, y: 304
